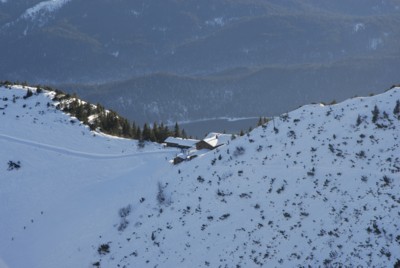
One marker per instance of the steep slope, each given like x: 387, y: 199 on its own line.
x: 318, y: 186
x: 54, y: 175
x: 321, y: 188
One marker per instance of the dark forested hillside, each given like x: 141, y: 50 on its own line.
x: 241, y: 92
x: 168, y: 58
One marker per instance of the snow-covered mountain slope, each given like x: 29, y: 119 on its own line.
x: 60, y: 195
x: 319, y: 186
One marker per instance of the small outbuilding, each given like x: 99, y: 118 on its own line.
x: 213, y: 141
x: 180, y: 143
x: 193, y: 148
x: 179, y: 159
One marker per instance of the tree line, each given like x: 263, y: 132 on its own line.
x: 106, y: 121
x: 109, y: 122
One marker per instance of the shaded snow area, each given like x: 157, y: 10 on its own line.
x: 319, y: 186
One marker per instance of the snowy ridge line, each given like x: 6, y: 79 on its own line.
x: 66, y: 151
x: 39, y: 10
x: 45, y: 6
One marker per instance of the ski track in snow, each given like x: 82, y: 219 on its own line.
x: 66, y: 151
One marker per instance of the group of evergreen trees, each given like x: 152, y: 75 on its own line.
x: 262, y: 121
x: 109, y: 122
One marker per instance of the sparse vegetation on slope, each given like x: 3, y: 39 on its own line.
x: 321, y: 191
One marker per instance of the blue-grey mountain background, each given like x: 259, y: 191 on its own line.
x: 175, y: 60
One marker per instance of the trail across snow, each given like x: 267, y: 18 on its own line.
x: 69, y: 152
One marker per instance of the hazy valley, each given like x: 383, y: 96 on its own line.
x: 178, y: 61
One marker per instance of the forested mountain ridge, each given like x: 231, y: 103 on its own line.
x: 118, y: 53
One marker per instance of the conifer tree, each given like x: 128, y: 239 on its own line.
x: 138, y: 134
x: 126, y: 129
x: 156, y: 132
x: 99, y: 109
x: 177, y: 131
x: 184, y: 134
x: 146, y: 133
x: 164, y: 132
x: 133, y: 130
x: 359, y: 120
x: 260, y: 122
x: 396, y: 110
x: 375, y: 114
x: 29, y: 94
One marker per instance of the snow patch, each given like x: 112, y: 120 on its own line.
x: 358, y: 27
x: 153, y: 108
x: 115, y: 54
x: 43, y: 8
x: 220, y: 21
x: 135, y: 13
x: 375, y: 43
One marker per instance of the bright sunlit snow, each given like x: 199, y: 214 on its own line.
x: 318, y: 186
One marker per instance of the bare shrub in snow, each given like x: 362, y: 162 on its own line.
x: 162, y: 199
x: 103, y: 249
x: 123, y: 213
x: 141, y: 144
x: 239, y: 151
x: 13, y: 165
x: 123, y: 224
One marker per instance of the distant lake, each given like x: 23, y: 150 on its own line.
x: 201, y: 128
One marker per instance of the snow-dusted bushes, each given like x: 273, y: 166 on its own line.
x: 103, y: 249
x: 13, y: 165
x: 238, y: 151
x: 162, y: 198
x: 123, y: 213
